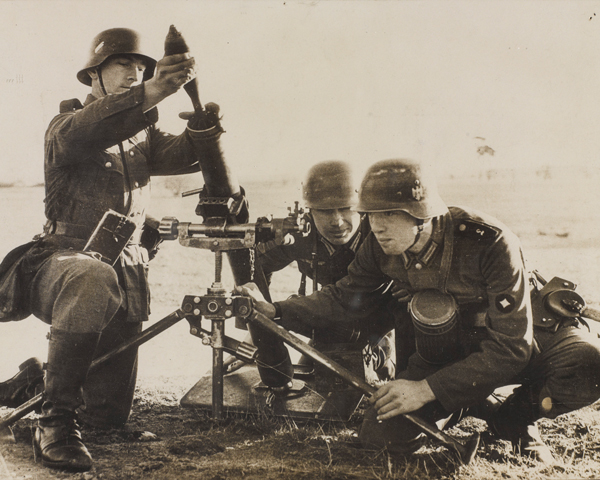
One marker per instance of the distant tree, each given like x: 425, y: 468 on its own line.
x: 485, y: 149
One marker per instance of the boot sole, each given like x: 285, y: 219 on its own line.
x: 68, y: 467
x: 65, y: 466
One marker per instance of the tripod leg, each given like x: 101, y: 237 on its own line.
x: 138, y: 340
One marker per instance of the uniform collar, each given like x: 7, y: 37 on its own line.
x: 430, y: 248
x: 89, y: 99
x: 352, y: 245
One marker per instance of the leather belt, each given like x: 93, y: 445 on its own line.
x: 72, y: 230
x: 84, y: 232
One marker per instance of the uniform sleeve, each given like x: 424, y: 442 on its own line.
x: 98, y: 126
x: 508, y: 346
x: 344, y: 306
x: 274, y: 259
x: 169, y: 154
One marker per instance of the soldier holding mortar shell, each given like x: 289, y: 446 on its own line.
x: 89, y: 280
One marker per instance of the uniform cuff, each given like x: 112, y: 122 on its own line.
x: 278, y: 313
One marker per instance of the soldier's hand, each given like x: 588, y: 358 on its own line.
x: 203, y: 120
x: 401, y: 396
x: 401, y: 294
x: 259, y: 302
x: 172, y: 72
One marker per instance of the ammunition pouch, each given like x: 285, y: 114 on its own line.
x: 435, y: 318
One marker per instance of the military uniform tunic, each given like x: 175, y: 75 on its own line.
x: 486, y: 275
x: 100, y: 156
x: 317, y: 258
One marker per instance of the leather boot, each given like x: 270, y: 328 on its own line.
x: 57, y: 439
x: 26, y: 384
x: 273, y: 359
x: 515, y: 421
x: 277, y: 377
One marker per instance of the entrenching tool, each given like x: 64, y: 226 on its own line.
x: 466, y: 452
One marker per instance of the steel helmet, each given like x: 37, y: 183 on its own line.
x: 329, y: 185
x: 400, y: 184
x: 116, y: 41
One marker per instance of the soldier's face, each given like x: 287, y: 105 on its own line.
x: 120, y: 73
x: 337, y: 225
x: 396, y: 232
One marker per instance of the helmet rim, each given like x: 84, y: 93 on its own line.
x: 113, y: 42
x: 400, y: 185
x: 329, y: 185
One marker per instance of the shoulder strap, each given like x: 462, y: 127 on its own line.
x: 447, y: 253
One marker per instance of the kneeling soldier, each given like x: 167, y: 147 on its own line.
x: 100, y: 156
x: 468, y: 312
x: 336, y: 233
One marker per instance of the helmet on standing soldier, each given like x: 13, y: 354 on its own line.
x: 115, y: 41
x: 329, y: 185
x: 400, y: 185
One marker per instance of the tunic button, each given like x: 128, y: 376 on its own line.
x: 418, y: 266
x: 131, y: 153
x: 108, y: 164
x: 462, y: 227
x: 136, y: 184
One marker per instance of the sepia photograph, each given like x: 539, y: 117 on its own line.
x: 300, y: 239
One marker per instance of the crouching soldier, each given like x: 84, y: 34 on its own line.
x: 99, y: 156
x: 468, y: 311
x: 336, y: 232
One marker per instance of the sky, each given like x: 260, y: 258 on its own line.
x: 299, y: 82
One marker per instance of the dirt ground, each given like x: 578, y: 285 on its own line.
x: 163, y: 440
x: 166, y: 441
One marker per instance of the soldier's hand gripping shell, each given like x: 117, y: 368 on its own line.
x: 203, y: 119
x: 173, y: 72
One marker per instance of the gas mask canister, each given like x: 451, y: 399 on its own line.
x: 435, y: 318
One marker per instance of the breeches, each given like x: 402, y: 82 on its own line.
x: 75, y: 293
x: 565, y: 375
